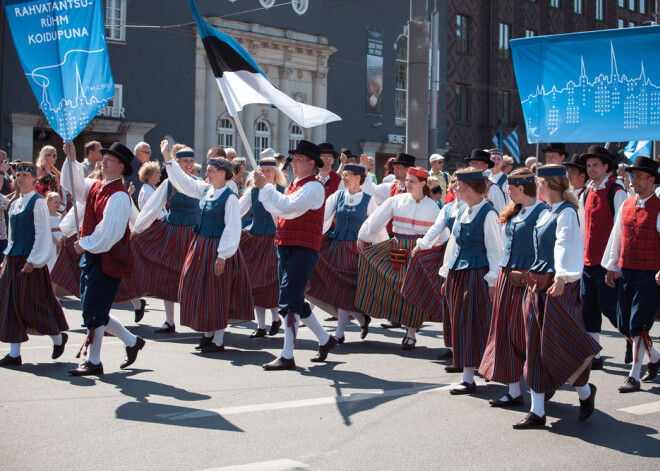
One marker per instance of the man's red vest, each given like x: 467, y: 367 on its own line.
x: 118, y: 261
x: 598, y: 223
x: 305, y: 230
x: 332, y: 185
x: 640, y: 241
x: 394, y: 190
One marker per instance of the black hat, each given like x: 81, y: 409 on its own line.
x: 575, y: 162
x: 327, y: 148
x: 310, y: 150
x: 482, y: 156
x: 600, y: 152
x: 124, y: 155
x: 647, y: 165
x: 404, y: 159
x: 348, y: 152
x: 557, y: 147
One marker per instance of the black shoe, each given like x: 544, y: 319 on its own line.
x: 132, y: 353
x: 258, y: 334
x: 446, y: 354
x: 275, y: 328
x: 628, y: 359
x: 597, y: 363
x: 549, y: 395
x: 212, y: 348
x: 330, y: 319
x: 390, y: 325
x: 463, y: 388
x: 364, y: 330
x: 651, y: 371
x: 408, y: 343
x: 59, y: 349
x: 166, y: 330
x: 341, y: 339
x: 11, y: 361
x: 280, y: 364
x: 139, y: 313
x: 630, y: 385
x: 509, y: 402
x: 453, y: 369
x: 324, y: 349
x: 204, y: 341
x: 87, y: 368
x: 531, y: 420
x: 588, y: 406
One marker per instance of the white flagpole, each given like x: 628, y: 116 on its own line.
x: 248, y: 149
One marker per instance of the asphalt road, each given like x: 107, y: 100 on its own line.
x: 371, y: 406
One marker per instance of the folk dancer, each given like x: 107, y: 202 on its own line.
x: 480, y: 160
x: 497, y: 176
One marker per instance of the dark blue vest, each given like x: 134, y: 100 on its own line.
x: 21, y: 232
x: 447, y: 211
x: 212, y: 214
x: 519, y: 245
x: 183, y: 209
x: 544, y: 241
x: 470, y: 247
x: 349, y: 219
x: 262, y: 221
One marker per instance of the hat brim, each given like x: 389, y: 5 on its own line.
x: 314, y: 157
x: 128, y: 165
x: 608, y: 160
x: 548, y: 149
x: 650, y: 171
x: 579, y: 167
x: 490, y: 163
x: 334, y: 153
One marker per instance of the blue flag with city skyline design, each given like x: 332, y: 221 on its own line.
x: 62, y: 48
x: 599, y: 86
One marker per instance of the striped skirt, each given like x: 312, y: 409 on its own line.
x: 260, y: 256
x: 27, y: 302
x: 334, y: 280
x: 380, y: 283
x: 469, y: 309
x: 160, y: 253
x: 504, y: 358
x: 421, y: 285
x: 210, y: 302
x: 66, y: 274
x: 559, y: 349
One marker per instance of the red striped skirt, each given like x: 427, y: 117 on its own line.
x: 210, y: 302
x: 380, y: 283
x: 260, y: 256
x: 66, y: 274
x: 421, y: 285
x: 334, y: 280
x: 27, y: 303
x: 504, y: 357
x: 559, y: 349
x: 160, y: 252
x: 470, y: 309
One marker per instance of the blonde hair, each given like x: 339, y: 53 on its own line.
x: 280, y: 179
x: 560, y: 184
x: 197, y: 168
x: 41, y: 160
x: 178, y: 147
x: 50, y: 195
x: 147, y: 170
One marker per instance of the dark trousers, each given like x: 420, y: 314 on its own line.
x: 597, y: 298
x: 295, y: 265
x: 97, y: 291
x: 639, y: 300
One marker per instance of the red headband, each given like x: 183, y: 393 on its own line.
x: 419, y: 173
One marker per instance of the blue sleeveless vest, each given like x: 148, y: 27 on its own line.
x: 183, y: 209
x: 447, y: 210
x: 21, y: 232
x: 349, y: 219
x: 470, y: 247
x: 519, y: 246
x: 262, y: 221
x: 544, y: 241
x: 212, y: 214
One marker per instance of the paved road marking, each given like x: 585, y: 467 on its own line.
x: 643, y: 409
x: 276, y: 465
x: 361, y: 396
x: 108, y: 342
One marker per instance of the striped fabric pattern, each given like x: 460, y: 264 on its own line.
x: 559, y: 349
x: 380, y: 284
x: 334, y: 280
x: 260, y: 256
x: 210, y: 302
x: 421, y: 285
x: 470, y: 309
x: 504, y: 358
x: 27, y: 303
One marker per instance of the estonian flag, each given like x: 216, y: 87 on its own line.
x: 241, y: 81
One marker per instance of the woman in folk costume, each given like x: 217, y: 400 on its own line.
x: 27, y: 302
x: 382, y: 267
x: 334, y: 280
x: 470, y: 268
x: 559, y: 349
x: 163, y: 236
x: 504, y: 358
x: 258, y: 248
x: 214, y: 288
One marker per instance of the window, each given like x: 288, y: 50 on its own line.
x: 577, y: 6
x: 503, y: 106
x: 631, y: 5
x: 296, y: 134
x: 226, y: 132
x: 401, y: 90
x: 261, y: 136
x: 599, y: 10
x: 462, y: 31
x: 530, y: 33
x: 631, y: 24
x: 114, y: 108
x: 115, y: 20
x: 621, y: 24
x: 461, y: 104
x: 267, y: 3
x: 642, y: 6
x: 504, y: 51
x: 555, y: 3
x: 300, y: 6
x: 622, y: 3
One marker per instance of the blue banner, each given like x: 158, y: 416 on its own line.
x: 600, y: 86
x: 62, y: 48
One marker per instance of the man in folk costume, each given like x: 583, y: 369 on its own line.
x: 599, y: 204
x: 633, y: 257
x: 300, y: 213
x: 480, y: 160
x: 577, y: 175
x: 106, y: 251
x: 328, y: 177
x: 555, y: 153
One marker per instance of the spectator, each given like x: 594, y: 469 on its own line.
x: 437, y: 164
x: 48, y: 177
x: 149, y: 176
x: 92, y: 156
x: 5, y: 173
x: 238, y: 168
x: 507, y: 164
x: 215, y: 153
x: 530, y: 162
x: 142, y: 152
x: 231, y: 153
x: 197, y: 170
x: 54, y: 201
x: 436, y: 195
x: 389, y: 173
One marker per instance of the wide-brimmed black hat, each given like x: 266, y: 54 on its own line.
x: 557, y: 147
x: 348, y: 152
x: 600, y: 152
x: 404, y: 159
x: 575, y: 162
x: 482, y: 156
x: 310, y: 150
x: 327, y: 148
x: 124, y: 155
x: 647, y: 165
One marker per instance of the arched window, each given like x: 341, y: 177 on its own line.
x: 296, y: 134
x: 401, y: 90
x: 226, y: 132
x: 300, y: 6
x: 261, y: 136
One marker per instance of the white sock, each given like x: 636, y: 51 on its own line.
x: 115, y: 328
x: 14, y: 350
x: 468, y: 374
x: 219, y: 337
x: 209, y: 334
x: 412, y: 333
x: 359, y: 317
x: 136, y: 303
x: 514, y: 390
x: 275, y: 313
x: 289, y: 336
x: 261, y: 316
x: 95, y: 347
x: 636, y: 368
x: 654, y: 355
x: 315, y: 326
x: 583, y: 391
x: 342, y: 320
x: 538, y: 403
x: 169, y: 312
x: 57, y: 339
x: 596, y: 337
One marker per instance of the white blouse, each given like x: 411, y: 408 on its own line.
x: 382, y: 191
x: 569, y: 247
x: 353, y: 200
x: 43, y: 248
x: 496, y: 197
x: 521, y: 216
x: 310, y: 196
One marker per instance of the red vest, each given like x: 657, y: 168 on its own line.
x: 394, y: 190
x: 305, y: 230
x: 640, y: 241
x: 598, y: 223
x: 332, y: 184
x: 118, y: 261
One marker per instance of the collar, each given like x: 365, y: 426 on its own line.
x: 641, y: 203
x: 27, y: 195
x: 107, y: 182
x: 296, y: 180
x: 590, y: 185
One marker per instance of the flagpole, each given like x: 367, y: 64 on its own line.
x: 248, y: 149
x: 73, y: 195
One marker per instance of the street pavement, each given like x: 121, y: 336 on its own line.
x: 371, y: 406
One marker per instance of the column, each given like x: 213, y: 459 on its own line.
x: 320, y: 99
x: 210, y: 113
x: 281, y: 139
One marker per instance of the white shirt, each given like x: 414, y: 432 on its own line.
x: 569, y: 247
x: 231, y: 184
x: 145, y: 193
x: 310, y: 196
x: 505, y: 185
x: 349, y: 200
x: 43, y: 247
x: 382, y: 191
x: 496, y: 198
x: 245, y: 203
